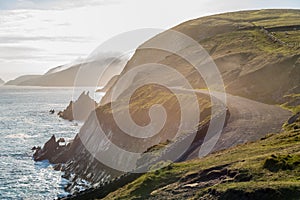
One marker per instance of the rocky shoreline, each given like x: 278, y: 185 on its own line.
x: 66, y: 158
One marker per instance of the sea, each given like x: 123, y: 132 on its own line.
x: 25, y: 122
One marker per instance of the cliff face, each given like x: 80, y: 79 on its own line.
x: 94, y: 157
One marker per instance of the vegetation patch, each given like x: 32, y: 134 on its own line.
x: 281, y: 162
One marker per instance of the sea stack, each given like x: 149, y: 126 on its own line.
x: 80, y: 109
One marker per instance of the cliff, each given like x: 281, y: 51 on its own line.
x: 100, y: 131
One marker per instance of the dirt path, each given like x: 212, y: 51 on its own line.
x: 249, y: 121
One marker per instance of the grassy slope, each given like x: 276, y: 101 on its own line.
x: 236, y: 173
x: 254, y: 59
x: 292, y: 103
x: 248, y: 59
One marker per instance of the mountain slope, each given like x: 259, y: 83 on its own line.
x: 266, y: 169
x: 21, y: 79
x: 257, y: 53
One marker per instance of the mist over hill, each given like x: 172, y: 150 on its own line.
x: 1, y: 82
x: 75, y: 74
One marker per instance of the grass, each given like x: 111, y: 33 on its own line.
x: 147, y: 96
x: 253, y: 41
x: 273, y: 163
x: 291, y: 108
x: 267, y: 18
x: 281, y: 162
x: 292, y: 103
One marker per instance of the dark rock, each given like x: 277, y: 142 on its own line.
x: 47, y: 151
x: 35, y: 148
x: 52, y: 151
x: 259, y: 193
x: 57, y: 167
x: 294, y: 118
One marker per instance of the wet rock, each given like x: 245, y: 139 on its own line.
x: 57, y: 167
x: 35, y: 148
x: 47, y: 151
x: 52, y: 151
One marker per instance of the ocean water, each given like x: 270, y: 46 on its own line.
x: 25, y: 122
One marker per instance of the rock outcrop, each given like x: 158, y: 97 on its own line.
x: 80, y: 109
x: 52, y: 151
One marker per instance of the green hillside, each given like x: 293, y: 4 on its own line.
x: 257, y: 53
x: 266, y: 169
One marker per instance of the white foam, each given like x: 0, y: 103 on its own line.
x: 19, y: 136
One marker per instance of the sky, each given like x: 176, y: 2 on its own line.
x: 36, y: 35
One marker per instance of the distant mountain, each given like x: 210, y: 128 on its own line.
x: 79, y: 74
x: 1, y: 82
x: 21, y: 79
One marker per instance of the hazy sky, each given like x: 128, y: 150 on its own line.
x: 36, y: 35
